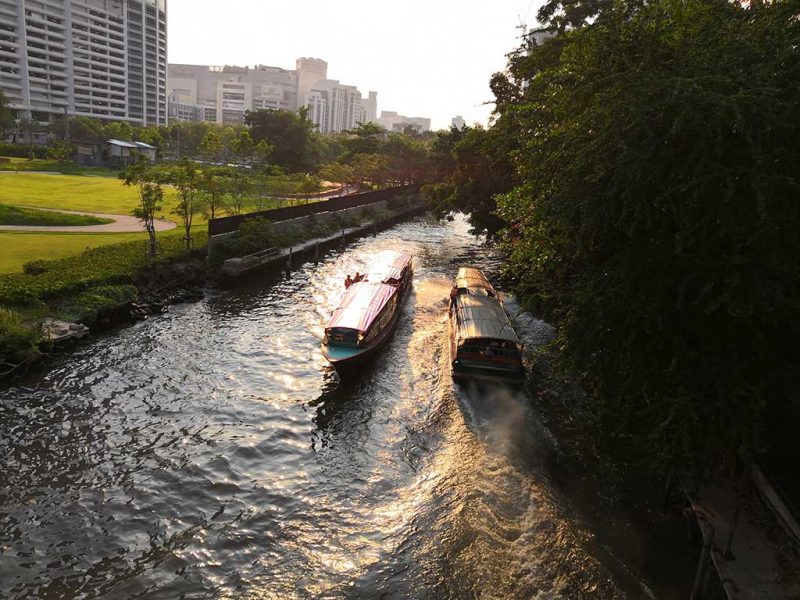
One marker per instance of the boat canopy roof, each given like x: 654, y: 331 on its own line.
x: 472, y: 278
x: 361, y: 303
x: 483, y: 317
x: 387, y: 266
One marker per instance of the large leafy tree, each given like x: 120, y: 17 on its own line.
x: 657, y: 219
x: 289, y: 134
x: 471, y: 167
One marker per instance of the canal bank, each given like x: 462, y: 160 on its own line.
x: 108, y: 287
x: 210, y: 451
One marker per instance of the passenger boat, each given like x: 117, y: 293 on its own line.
x: 483, y: 344
x: 368, y: 311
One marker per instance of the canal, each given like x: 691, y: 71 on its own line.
x: 210, y: 452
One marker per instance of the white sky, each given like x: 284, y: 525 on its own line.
x: 426, y: 58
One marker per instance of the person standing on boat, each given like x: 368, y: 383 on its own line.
x: 348, y: 282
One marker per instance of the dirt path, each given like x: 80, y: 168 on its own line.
x: 121, y: 224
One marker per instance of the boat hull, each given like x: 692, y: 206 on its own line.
x: 346, y: 360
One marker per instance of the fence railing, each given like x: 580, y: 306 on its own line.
x: 229, y: 224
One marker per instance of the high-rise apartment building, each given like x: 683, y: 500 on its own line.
x: 98, y: 58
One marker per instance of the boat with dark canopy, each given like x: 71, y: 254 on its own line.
x: 368, y: 311
x: 483, y: 344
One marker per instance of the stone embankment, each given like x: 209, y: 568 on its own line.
x: 273, y: 258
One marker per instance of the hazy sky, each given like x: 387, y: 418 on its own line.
x: 427, y: 58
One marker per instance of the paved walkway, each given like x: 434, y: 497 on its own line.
x: 121, y: 224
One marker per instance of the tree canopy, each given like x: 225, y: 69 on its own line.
x: 652, y: 211
x: 289, y: 134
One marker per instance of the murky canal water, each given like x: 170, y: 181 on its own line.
x: 211, y: 453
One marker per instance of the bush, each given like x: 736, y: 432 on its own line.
x: 85, y: 306
x: 17, y: 340
x: 23, y: 150
x: 113, y: 264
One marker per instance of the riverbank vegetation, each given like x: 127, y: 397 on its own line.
x: 78, y: 288
x: 644, y: 184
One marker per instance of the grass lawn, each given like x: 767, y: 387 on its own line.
x: 15, y: 215
x: 20, y: 248
x: 12, y: 163
x: 71, y: 192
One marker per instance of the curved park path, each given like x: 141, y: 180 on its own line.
x: 121, y: 224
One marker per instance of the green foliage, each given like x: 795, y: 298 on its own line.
x: 289, y: 134
x: 211, y: 146
x: 84, y: 307
x: 112, y: 264
x: 656, y: 219
x: 20, y: 151
x: 147, y: 182
x: 186, y: 180
x: 18, y: 215
x: 18, y: 340
x: 471, y: 167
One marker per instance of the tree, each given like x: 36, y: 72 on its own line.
x: 184, y: 177
x: 471, y: 166
x: 655, y: 217
x: 237, y: 187
x: 243, y: 145
x: 212, y: 185
x: 6, y: 116
x: 118, y: 130
x: 290, y: 135
x: 151, y: 196
x: 337, y: 173
x: 211, y: 145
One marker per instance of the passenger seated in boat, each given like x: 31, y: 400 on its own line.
x: 358, y: 277
x: 348, y: 282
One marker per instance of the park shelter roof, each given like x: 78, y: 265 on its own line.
x: 125, y: 144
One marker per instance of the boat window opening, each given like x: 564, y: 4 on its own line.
x: 341, y: 336
x: 489, y: 348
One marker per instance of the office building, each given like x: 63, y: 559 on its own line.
x: 458, y: 122
x: 223, y: 94
x: 391, y: 121
x: 97, y: 58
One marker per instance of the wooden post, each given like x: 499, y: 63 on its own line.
x: 702, y: 565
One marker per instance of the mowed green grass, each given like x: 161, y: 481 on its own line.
x: 70, y: 192
x: 20, y: 248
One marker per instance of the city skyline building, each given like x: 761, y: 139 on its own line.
x: 224, y: 94
x: 97, y: 58
x: 392, y: 121
x: 458, y: 122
